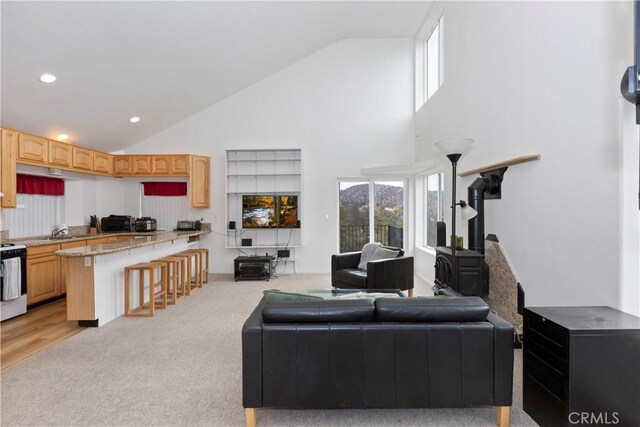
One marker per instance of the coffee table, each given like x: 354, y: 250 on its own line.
x: 345, y: 293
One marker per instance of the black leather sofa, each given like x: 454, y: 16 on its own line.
x: 393, y: 273
x: 394, y: 353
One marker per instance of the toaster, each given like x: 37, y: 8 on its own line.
x: 188, y: 226
x: 145, y: 224
x: 118, y: 223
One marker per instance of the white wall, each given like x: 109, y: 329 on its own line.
x: 347, y: 106
x: 629, y: 226
x: 541, y: 78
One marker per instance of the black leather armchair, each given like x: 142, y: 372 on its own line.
x: 391, y: 353
x: 393, y: 273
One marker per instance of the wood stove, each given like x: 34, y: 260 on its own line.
x: 471, y: 275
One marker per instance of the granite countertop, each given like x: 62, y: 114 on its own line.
x: 46, y: 240
x: 138, y: 240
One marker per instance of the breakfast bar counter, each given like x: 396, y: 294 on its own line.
x: 95, y: 274
x: 136, y: 241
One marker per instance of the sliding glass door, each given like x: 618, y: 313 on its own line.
x: 362, y: 203
x: 353, y: 215
x: 388, y: 218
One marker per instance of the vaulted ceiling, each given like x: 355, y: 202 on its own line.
x: 162, y: 61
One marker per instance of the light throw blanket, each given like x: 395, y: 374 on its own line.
x: 11, y: 278
x: 367, y: 252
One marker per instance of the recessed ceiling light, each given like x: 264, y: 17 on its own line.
x: 62, y: 137
x: 47, y: 78
x: 134, y: 119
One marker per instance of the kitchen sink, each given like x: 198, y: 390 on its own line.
x: 61, y: 238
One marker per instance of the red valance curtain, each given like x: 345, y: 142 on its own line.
x: 165, y: 188
x: 31, y: 184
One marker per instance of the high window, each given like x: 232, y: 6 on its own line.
x: 362, y: 203
x: 433, y: 62
x: 433, y: 212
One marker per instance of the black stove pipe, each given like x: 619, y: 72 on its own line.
x: 475, y: 198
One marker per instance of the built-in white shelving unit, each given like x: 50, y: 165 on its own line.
x: 263, y: 172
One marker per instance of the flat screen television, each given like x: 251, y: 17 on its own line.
x: 259, y: 211
x: 287, y: 211
x: 266, y: 211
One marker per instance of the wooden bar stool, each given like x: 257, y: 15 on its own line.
x: 142, y: 268
x: 193, y: 267
x: 176, y: 276
x: 203, y: 270
x: 185, y: 272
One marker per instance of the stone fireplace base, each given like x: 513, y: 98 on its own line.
x: 503, y: 283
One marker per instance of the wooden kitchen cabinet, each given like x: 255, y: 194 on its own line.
x: 82, y: 158
x: 9, y: 154
x: 141, y: 165
x: 160, y: 165
x: 122, y: 165
x: 32, y: 149
x: 43, y: 273
x: 102, y: 162
x: 101, y: 240
x: 179, y: 165
x: 60, y: 154
x: 199, y: 184
x: 64, y: 261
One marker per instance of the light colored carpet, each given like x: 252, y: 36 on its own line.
x: 183, y: 367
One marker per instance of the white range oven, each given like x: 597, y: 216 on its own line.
x: 13, y: 280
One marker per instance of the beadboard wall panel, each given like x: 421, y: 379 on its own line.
x: 38, y: 217
x: 166, y: 210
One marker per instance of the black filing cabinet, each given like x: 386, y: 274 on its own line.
x: 581, y: 366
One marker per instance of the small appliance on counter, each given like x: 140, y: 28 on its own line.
x: 145, y: 223
x: 189, y: 226
x: 118, y: 223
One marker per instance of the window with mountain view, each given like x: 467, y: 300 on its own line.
x: 434, y: 192
x: 366, y: 202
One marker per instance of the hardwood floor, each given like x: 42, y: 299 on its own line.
x: 40, y: 328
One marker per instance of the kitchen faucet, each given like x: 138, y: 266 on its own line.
x: 55, y: 233
x: 60, y: 229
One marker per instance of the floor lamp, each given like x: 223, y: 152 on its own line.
x: 454, y: 149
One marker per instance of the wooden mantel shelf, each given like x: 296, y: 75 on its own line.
x: 500, y: 165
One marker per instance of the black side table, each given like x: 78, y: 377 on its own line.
x: 252, y: 268
x: 581, y: 366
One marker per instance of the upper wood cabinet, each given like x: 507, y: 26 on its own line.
x: 8, y: 157
x: 199, y: 182
x: 160, y: 165
x: 82, y: 158
x: 179, y: 165
x: 18, y: 147
x: 32, y: 149
x: 102, y: 162
x: 122, y: 165
x: 141, y: 165
x: 60, y: 153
